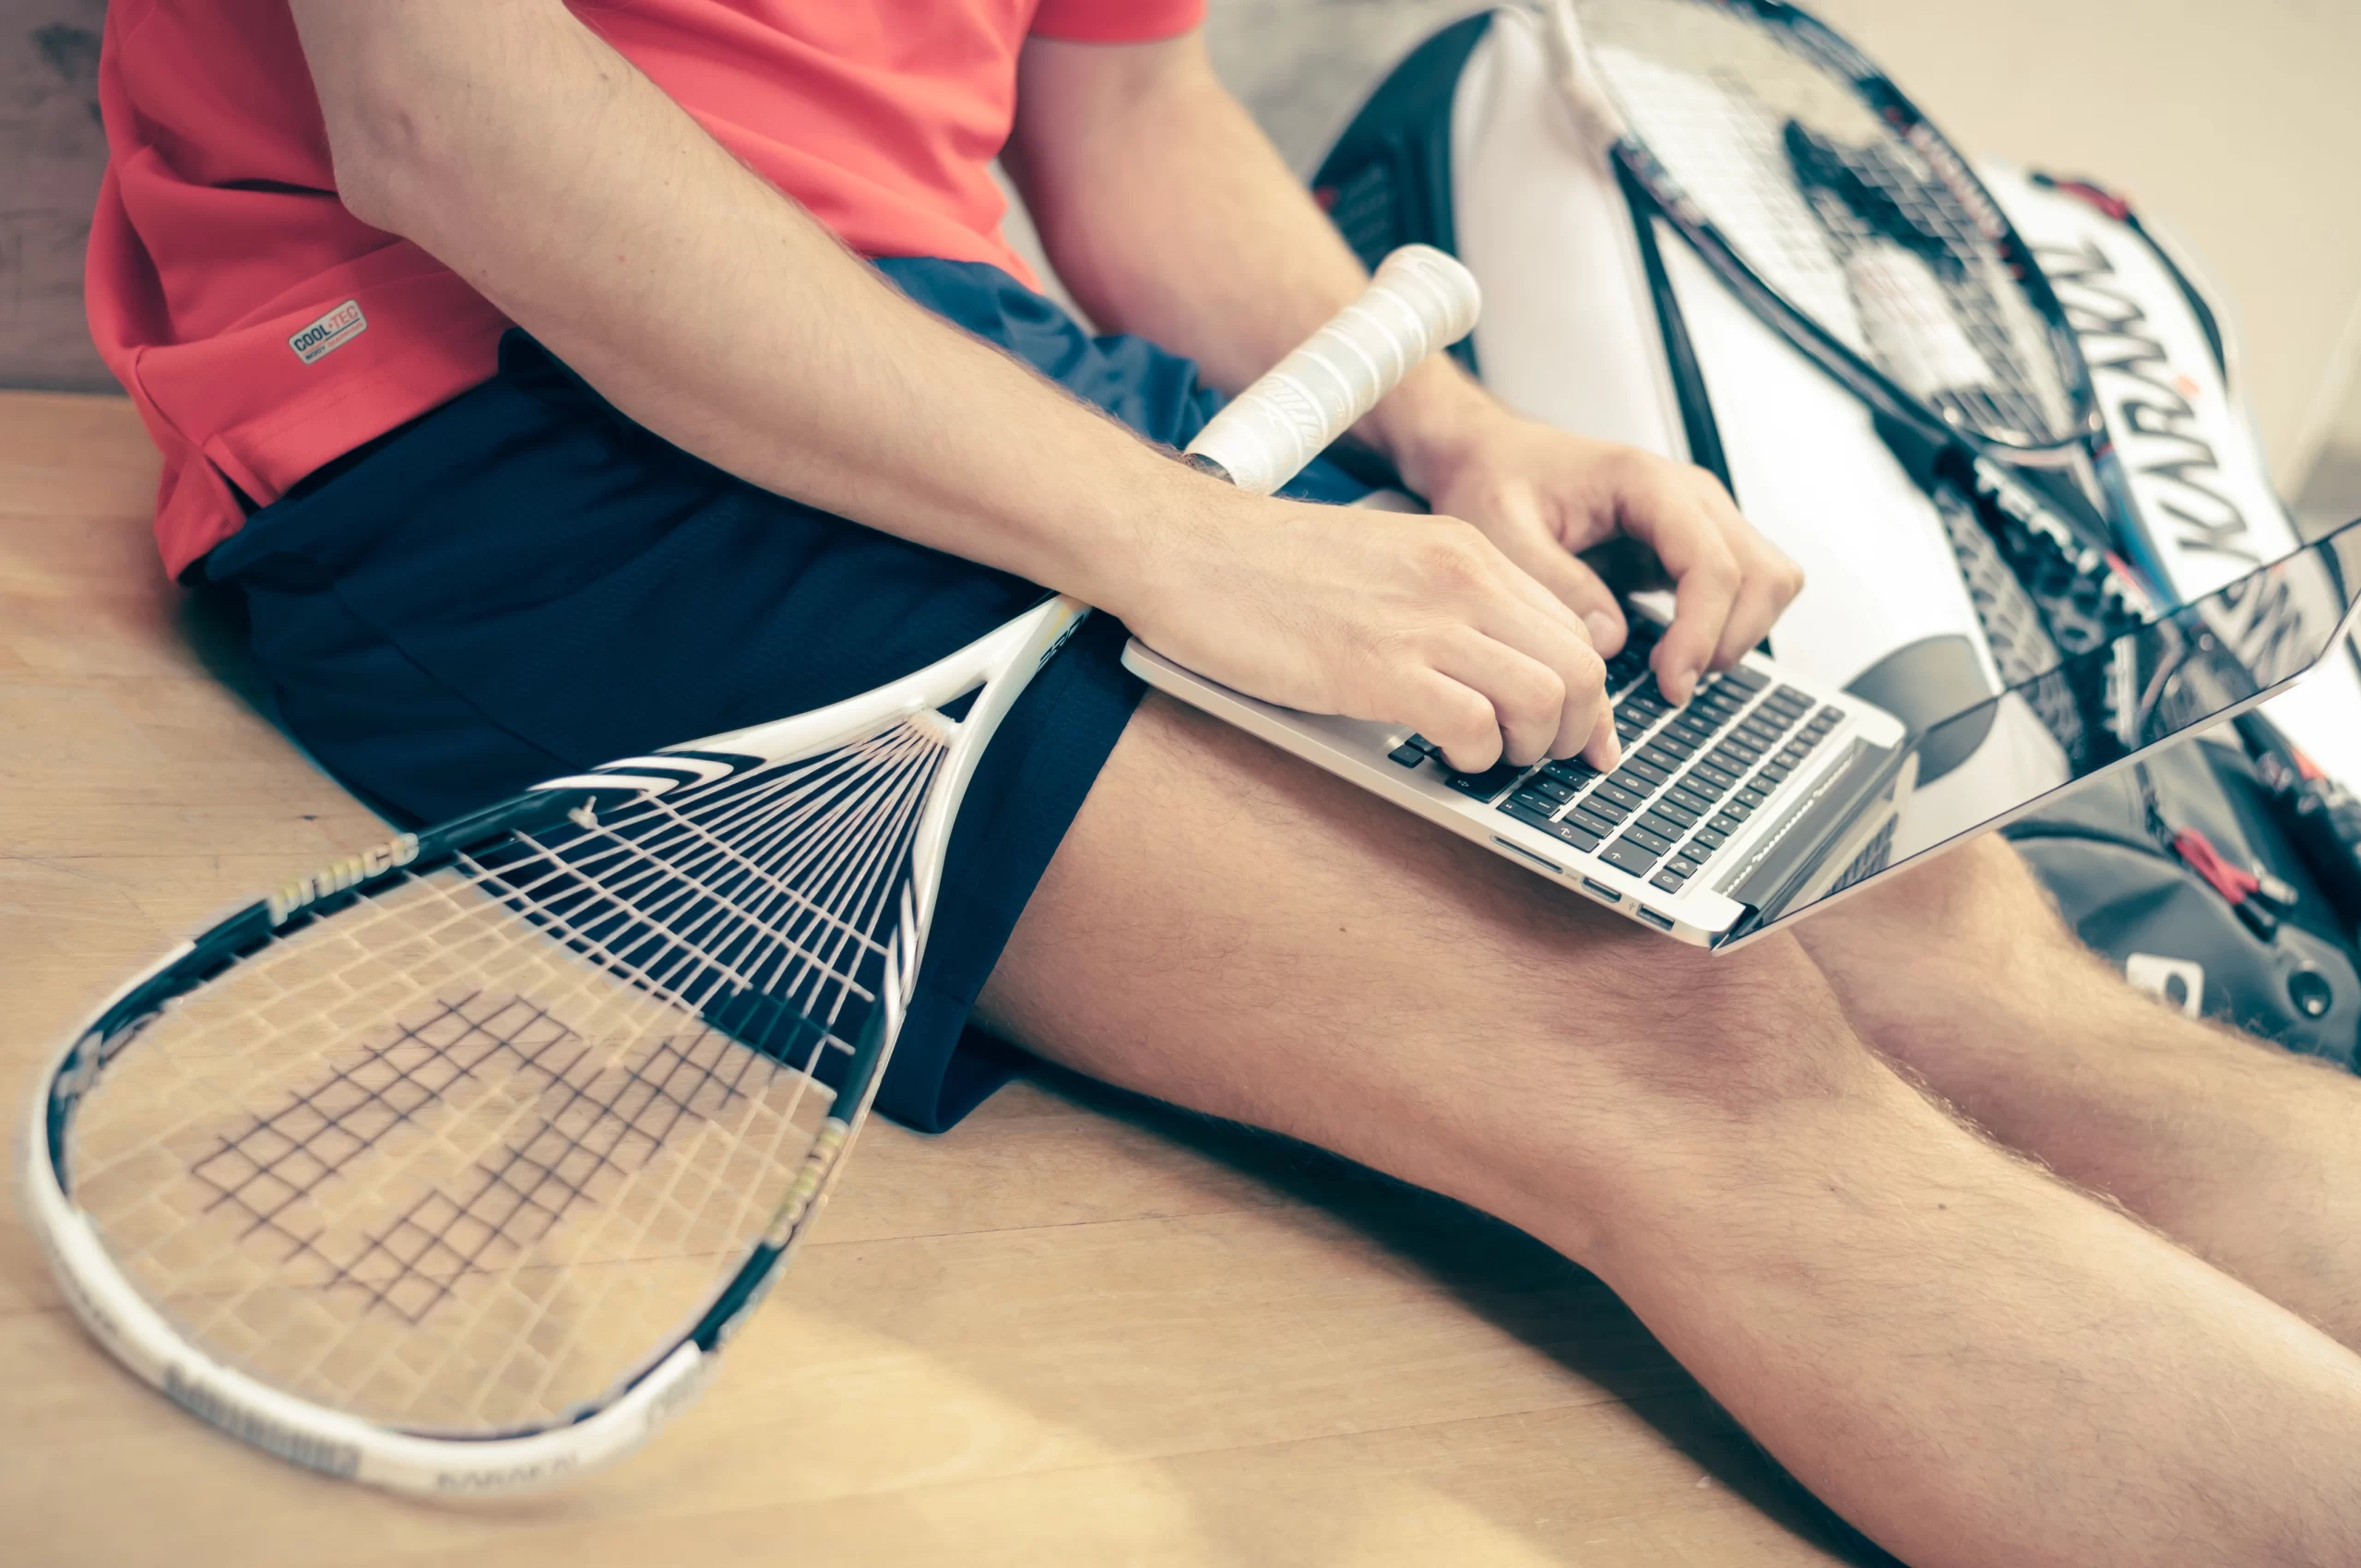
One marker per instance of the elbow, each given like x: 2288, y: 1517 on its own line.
x: 380, y: 150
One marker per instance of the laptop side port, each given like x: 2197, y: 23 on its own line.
x: 1600, y: 889
x: 1663, y: 922
x: 1555, y: 869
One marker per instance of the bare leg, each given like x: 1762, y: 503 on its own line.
x: 1974, y: 1362
x: 2245, y: 1154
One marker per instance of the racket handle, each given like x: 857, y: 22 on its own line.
x: 1421, y: 300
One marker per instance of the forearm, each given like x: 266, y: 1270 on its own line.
x: 1169, y: 214
x: 511, y: 143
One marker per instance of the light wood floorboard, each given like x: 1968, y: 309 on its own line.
x: 1080, y: 1329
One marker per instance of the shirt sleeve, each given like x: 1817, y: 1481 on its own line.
x: 1116, y: 21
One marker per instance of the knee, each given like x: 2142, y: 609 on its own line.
x: 1719, y: 1040
x: 1977, y: 904
x: 1994, y: 913
x: 1735, y: 1077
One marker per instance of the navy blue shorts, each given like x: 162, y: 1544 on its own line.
x: 524, y: 583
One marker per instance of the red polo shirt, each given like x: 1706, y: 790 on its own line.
x: 263, y: 329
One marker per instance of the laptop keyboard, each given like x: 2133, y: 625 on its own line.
x: 1690, y: 776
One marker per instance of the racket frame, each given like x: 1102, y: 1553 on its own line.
x: 2094, y: 503
x: 1420, y: 300
x: 350, y: 1447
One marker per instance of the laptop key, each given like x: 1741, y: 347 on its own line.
x: 1405, y: 756
x: 1773, y: 772
x: 1751, y: 680
x: 1487, y: 784
x: 1532, y: 803
x: 1646, y: 839
x: 1688, y: 799
x: 1543, y: 785
x: 1690, y: 730
x: 1572, y: 772
x: 1706, y: 841
x: 1525, y: 811
x: 1751, y: 796
x: 1640, y: 777
x: 1667, y: 879
x: 1669, y: 819
x: 1726, y: 824
x: 1707, y: 776
x: 1609, y: 789
x: 1626, y: 856
x: 1591, y: 821
x: 1578, y: 836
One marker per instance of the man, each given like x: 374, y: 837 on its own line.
x: 735, y: 472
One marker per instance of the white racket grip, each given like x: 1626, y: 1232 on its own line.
x: 1421, y: 300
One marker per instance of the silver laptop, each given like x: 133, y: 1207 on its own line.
x: 1768, y: 793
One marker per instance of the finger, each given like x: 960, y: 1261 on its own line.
x: 1705, y: 589
x: 1547, y: 682
x: 1526, y: 540
x: 1661, y: 508
x: 1768, y: 581
x: 1453, y: 715
x: 1578, y: 665
x: 1764, y: 591
x: 1604, y: 751
x: 1494, y: 597
x: 1572, y: 582
x: 1526, y: 697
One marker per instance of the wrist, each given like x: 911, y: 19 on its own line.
x: 1171, y: 527
x: 1428, y: 423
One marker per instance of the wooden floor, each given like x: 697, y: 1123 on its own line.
x: 1077, y: 1330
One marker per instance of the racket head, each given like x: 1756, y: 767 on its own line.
x: 1826, y: 198
x: 450, y: 1168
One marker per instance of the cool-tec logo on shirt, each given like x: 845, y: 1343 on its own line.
x: 331, y: 332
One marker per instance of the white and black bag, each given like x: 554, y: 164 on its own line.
x: 1598, y: 319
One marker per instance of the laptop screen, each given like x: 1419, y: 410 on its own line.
x: 2001, y: 757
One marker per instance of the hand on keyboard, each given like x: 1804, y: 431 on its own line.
x: 1695, y: 772
x: 1542, y: 494
x: 1414, y: 620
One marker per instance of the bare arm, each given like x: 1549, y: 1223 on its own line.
x: 511, y: 143
x: 1169, y: 214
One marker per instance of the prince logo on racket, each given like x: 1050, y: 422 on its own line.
x: 350, y: 872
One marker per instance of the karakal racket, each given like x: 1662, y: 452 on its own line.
x: 1822, y: 197
x: 453, y: 1168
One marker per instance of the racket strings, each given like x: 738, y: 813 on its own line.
x: 424, y: 1162
x: 661, y: 893
x: 1857, y: 228
x: 744, y: 1061
x: 739, y: 820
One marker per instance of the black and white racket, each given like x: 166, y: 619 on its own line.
x: 1823, y: 198
x: 453, y: 1167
